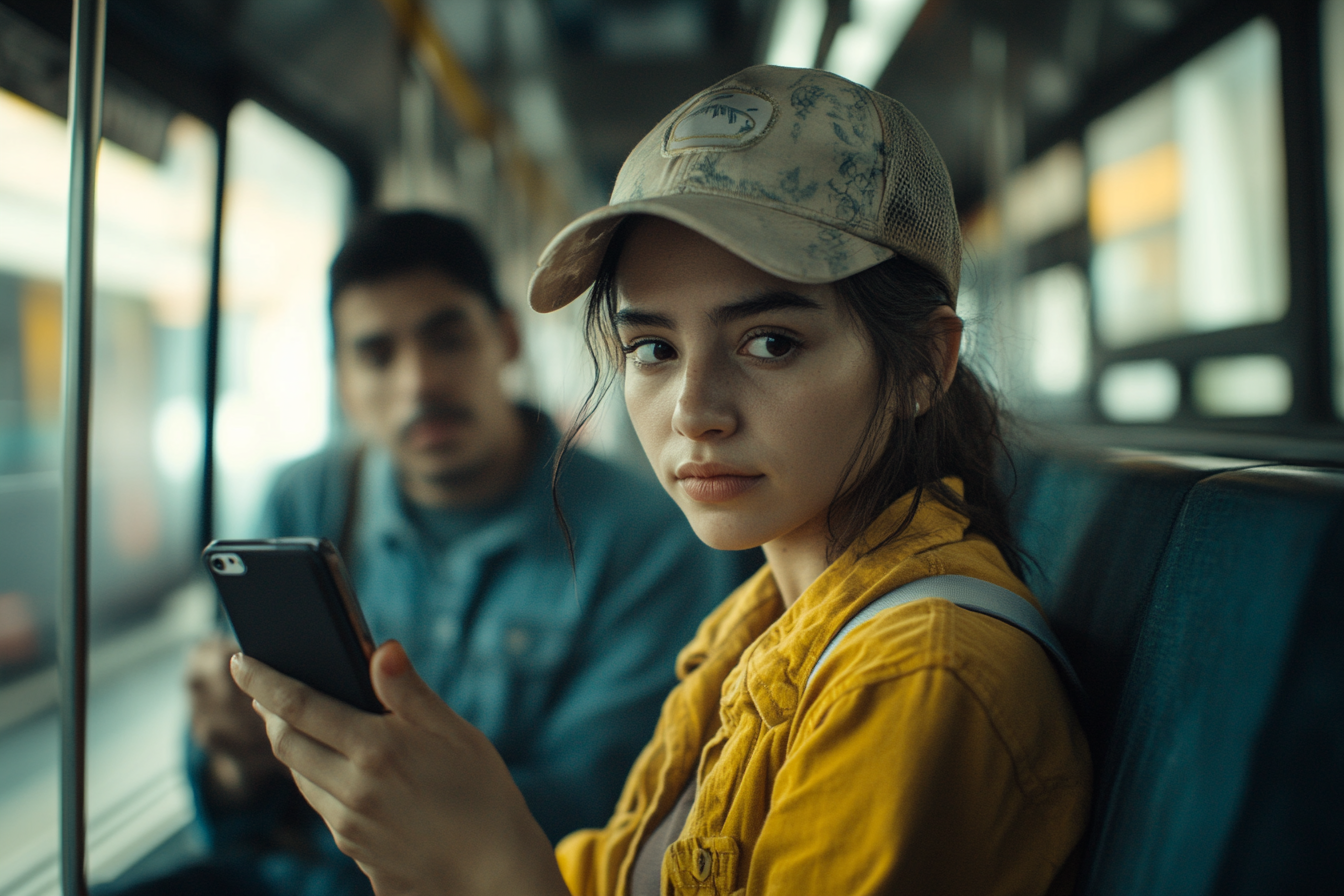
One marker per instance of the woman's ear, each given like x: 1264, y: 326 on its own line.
x: 947, y: 329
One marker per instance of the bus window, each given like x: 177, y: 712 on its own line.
x: 152, y: 240
x: 1186, y: 198
x: 1053, y: 305
x: 1242, y: 386
x: 1025, y: 296
x: 1332, y: 59
x: 153, y: 232
x: 1177, y: 209
x: 1139, y: 391
x: 285, y: 205
x: 32, y: 255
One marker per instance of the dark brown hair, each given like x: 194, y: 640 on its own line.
x: 387, y: 244
x: 960, y: 435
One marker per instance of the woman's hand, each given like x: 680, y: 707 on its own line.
x: 418, y: 797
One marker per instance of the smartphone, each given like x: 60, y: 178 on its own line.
x: 292, y: 607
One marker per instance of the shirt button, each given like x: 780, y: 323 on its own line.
x: 704, y: 861
x: 445, y: 631
x: 518, y: 640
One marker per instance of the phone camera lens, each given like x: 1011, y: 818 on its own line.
x: 218, y: 564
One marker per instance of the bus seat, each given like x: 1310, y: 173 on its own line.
x: 1095, y: 527
x: 1226, y: 766
x: 1016, y: 473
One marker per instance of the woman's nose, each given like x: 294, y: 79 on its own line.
x: 705, y: 406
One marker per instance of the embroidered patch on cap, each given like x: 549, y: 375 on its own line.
x: 725, y: 119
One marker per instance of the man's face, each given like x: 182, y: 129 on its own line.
x: 418, y: 364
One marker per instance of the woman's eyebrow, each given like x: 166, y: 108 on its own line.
x: 761, y: 304
x: 631, y: 317
x: 743, y: 308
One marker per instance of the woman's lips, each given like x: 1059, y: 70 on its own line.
x: 714, y: 483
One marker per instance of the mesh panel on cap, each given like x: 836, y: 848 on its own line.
x: 919, y: 215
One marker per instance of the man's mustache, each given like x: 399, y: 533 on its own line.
x: 445, y: 413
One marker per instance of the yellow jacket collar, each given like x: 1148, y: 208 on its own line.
x: 775, y: 668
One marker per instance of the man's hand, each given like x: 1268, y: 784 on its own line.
x: 224, y: 725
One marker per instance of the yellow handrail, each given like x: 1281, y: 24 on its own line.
x: 469, y: 104
x: 450, y: 76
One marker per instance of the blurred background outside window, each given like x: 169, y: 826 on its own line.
x: 1187, y: 211
x: 286, y: 202
x: 1186, y: 198
x: 1139, y: 391
x: 1175, y: 205
x: 1054, y: 307
x: 153, y: 230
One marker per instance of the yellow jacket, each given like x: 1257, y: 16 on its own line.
x: 935, y: 751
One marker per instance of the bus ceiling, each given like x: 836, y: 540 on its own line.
x: 994, y: 83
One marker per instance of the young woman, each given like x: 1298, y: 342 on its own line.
x: 775, y: 280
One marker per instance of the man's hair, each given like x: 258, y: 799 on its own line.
x: 388, y: 244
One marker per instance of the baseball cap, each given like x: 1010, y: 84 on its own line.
x: 802, y: 173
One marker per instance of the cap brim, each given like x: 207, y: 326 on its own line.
x: 778, y: 242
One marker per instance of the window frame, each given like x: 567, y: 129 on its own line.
x: 1302, y: 336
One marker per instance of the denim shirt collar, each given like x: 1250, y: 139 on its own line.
x: 385, y: 523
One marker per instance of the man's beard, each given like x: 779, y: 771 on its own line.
x: 460, y: 477
x: 436, y: 412
x: 447, y: 413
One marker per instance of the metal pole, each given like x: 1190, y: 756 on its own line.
x: 88, y: 37
x: 212, y: 342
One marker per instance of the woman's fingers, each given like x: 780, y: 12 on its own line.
x: 417, y: 796
x: 340, y: 821
x: 401, y: 689
x: 304, y: 755
x: 326, y: 805
x: 324, y: 719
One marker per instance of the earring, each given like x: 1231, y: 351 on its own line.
x: 916, y: 409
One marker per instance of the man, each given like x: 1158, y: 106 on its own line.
x: 446, y: 521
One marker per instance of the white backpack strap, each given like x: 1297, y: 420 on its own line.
x: 979, y: 596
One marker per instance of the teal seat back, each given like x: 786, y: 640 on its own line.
x: 1225, y: 769
x: 1097, y: 527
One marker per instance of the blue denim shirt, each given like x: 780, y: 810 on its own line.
x: 563, y: 667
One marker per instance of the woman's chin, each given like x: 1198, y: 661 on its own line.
x: 726, y: 535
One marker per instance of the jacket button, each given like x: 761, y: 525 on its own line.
x: 704, y: 861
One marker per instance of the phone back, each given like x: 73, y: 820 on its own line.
x: 291, y: 608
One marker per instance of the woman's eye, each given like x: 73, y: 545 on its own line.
x: 651, y: 352
x: 770, y: 346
